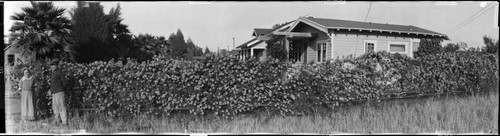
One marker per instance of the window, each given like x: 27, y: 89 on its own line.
x: 397, y: 47
x: 10, y: 59
x: 321, y: 55
x: 370, y: 46
x: 318, y: 47
x: 295, y: 51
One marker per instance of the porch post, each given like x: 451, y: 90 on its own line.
x: 251, y: 52
x: 287, y: 48
x: 331, y: 44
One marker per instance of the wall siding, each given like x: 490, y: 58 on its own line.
x: 352, y: 42
x: 347, y: 44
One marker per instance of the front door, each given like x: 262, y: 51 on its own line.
x: 297, y: 51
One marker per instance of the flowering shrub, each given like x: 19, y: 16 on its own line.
x: 456, y: 71
x: 226, y: 86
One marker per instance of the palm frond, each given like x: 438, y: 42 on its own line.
x: 18, y: 26
x: 18, y: 16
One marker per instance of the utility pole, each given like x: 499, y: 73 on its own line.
x: 217, y: 50
x: 233, y: 43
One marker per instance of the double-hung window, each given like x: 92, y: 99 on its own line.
x: 321, y: 52
x: 370, y: 46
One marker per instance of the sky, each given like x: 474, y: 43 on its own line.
x: 215, y: 24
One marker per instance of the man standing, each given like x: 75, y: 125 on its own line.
x: 57, y: 84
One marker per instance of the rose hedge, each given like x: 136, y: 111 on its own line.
x: 226, y: 86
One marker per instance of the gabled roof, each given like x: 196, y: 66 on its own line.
x: 264, y: 31
x: 324, y: 24
x: 244, y: 45
x: 261, y: 31
x: 251, y: 43
x: 254, y: 44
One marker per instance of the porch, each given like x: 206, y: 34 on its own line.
x: 297, y: 45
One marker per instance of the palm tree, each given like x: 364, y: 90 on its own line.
x: 41, y: 29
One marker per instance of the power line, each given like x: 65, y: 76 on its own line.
x: 470, y: 19
x: 473, y: 19
x: 368, y: 11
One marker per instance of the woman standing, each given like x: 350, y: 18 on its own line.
x: 28, y: 98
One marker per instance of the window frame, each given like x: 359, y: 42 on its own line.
x: 370, y: 41
x: 321, y: 48
x: 406, y: 45
x: 11, y: 59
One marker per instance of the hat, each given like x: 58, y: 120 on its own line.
x: 54, y: 62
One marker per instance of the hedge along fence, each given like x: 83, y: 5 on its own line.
x: 377, y: 74
x: 459, y: 71
x: 226, y: 86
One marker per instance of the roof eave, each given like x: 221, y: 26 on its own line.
x: 310, y: 23
x: 390, y: 31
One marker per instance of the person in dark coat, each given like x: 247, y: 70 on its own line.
x: 57, y: 85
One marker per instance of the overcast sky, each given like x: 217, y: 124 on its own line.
x: 215, y: 24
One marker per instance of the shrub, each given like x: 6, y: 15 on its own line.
x: 226, y: 86
x: 428, y: 46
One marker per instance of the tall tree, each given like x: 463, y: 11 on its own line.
x: 41, y: 29
x: 199, y: 51
x: 207, y: 51
x: 191, y: 48
x: 145, y: 46
x: 491, y: 46
x: 121, y: 35
x: 179, y: 49
x: 98, y: 36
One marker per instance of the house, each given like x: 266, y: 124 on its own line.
x: 12, y: 57
x: 256, y: 46
x: 319, y: 39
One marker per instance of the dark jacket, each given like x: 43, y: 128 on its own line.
x: 57, y: 81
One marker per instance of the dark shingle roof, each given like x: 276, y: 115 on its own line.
x: 261, y: 31
x: 336, y: 23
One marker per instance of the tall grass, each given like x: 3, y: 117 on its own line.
x: 455, y: 114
